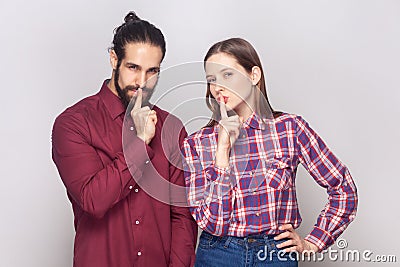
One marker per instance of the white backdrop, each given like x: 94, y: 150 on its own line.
x: 334, y: 62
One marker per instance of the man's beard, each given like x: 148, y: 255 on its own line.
x: 123, y: 93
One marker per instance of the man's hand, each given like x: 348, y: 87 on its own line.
x: 144, y: 119
x: 227, y: 135
x: 295, y: 242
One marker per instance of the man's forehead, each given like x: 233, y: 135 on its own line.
x: 142, y: 66
x: 143, y: 55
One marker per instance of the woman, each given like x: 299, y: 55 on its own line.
x: 240, y: 170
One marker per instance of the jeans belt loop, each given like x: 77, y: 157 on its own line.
x: 228, y: 240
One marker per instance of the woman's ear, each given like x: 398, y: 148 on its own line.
x: 255, y: 75
x: 113, y: 59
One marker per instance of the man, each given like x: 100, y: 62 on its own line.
x: 118, y: 223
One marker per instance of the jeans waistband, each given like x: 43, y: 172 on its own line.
x: 259, y: 238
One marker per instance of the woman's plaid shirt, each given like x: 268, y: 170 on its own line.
x: 257, y: 192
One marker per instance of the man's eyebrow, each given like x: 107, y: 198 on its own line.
x: 132, y: 64
x: 154, y: 68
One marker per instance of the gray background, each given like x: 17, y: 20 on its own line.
x: 334, y: 62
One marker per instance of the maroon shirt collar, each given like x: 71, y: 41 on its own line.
x: 112, y: 102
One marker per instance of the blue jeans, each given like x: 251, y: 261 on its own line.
x: 230, y: 251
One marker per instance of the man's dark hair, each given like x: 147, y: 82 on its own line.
x: 135, y: 30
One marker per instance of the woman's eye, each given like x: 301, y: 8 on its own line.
x: 211, y: 80
x: 228, y: 74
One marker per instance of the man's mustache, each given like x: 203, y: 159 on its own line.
x: 135, y: 88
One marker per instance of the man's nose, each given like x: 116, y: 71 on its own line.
x: 141, y: 79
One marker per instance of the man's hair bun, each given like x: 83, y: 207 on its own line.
x: 131, y: 16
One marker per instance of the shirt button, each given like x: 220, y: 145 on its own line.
x: 244, y: 136
x: 137, y: 222
x: 139, y: 253
x: 130, y: 187
x: 257, y: 214
x: 131, y: 128
x: 147, y: 161
x: 136, y: 190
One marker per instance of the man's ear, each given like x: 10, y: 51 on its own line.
x: 113, y: 59
x: 255, y: 75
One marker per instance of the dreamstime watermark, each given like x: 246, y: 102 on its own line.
x: 341, y: 254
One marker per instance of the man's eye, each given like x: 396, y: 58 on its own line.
x: 133, y: 67
x: 153, y: 71
x: 211, y: 80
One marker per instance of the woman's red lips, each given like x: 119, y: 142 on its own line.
x: 223, y: 98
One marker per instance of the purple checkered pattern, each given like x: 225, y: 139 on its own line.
x: 257, y: 192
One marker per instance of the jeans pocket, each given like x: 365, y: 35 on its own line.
x: 208, y: 241
x: 280, y: 254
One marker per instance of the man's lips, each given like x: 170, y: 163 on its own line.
x: 132, y: 92
x: 132, y: 89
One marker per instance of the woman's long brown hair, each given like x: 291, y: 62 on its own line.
x: 247, y: 57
